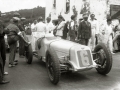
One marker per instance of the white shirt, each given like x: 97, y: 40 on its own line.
x: 33, y: 27
x: 108, y: 29
x: 40, y: 29
x: 60, y: 28
x: 94, y: 26
x: 49, y: 27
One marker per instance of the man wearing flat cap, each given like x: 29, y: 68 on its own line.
x: 84, y: 30
x: 21, y: 42
x: 13, y: 37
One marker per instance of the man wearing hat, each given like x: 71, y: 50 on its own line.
x: 21, y: 42
x: 13, y: 37
x: 84, y: 30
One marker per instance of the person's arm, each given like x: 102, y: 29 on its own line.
x: 19, y: 33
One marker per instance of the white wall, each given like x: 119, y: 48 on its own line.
x: 98, y: 7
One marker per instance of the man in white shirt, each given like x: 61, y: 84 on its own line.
x: 94, y: 30
x: 49, y: 26
x: 40, y: 29
x: 107, y: 39
x: 60, y: 26
x: 33, y: 25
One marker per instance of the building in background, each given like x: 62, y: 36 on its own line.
x: 69, y: 7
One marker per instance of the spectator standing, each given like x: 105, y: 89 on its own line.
x: 40, y: 29
x: 33, y: 25
x: 116, y: 39
x: 49, y: 26
x: 72, y: 28
x: 60, y: 26
x: 108, y: 32
x: 2, y: 54
x: 66, y: 30
x: 84, y: 30
x: 13, y: 37
x: 21, y: 42
x: 94, y: 30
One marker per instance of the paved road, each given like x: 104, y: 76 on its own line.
x: 34, y: 77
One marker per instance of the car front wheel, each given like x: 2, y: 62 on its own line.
x: 104, y: 57
x: 53, y: 67
x: 28, y: 54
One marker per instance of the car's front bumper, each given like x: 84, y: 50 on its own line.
x: 83, y: 68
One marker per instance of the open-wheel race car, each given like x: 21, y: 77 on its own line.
x: 64, y: 56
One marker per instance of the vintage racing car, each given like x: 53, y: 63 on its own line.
x: 63, y: 56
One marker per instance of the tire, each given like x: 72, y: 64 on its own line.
x: 105, y: 59
x: 28, y: 54
x: 53, y: 66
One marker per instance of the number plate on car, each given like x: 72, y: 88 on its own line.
x: 84, y: 58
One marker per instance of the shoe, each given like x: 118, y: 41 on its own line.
x: 15, y: 63
x: 15, y: 60
x: 115, y: 51
x: 5, y: 73
x: 4, y: 82
x: 21, y: 56
x: 112, y: 53
x: 11, y: 65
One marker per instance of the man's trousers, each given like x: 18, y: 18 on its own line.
x: 13, y: 48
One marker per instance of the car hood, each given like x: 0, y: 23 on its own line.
x: 63, y: 46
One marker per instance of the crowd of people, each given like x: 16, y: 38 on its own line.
x: 85, y: 31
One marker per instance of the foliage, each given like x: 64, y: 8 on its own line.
x: 29, y: 14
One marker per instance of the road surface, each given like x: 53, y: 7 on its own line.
x: 34, y: 77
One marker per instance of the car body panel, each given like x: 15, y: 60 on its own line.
x: 80, y: 56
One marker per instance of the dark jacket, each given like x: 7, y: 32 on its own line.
x: 65, y: 30
x: 21, y: 26
x: 84, y: 30
x: 2, y: 26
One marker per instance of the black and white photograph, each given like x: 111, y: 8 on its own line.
x: 59, y: 44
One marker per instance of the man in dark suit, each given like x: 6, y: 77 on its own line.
x: 84, y: 30
x: 2, y: 53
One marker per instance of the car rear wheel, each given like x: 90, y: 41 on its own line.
x: 104, y: 59
x: 28, y: 54
x: 53, y: 66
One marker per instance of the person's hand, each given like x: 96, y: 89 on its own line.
x: 28, y: 43
x: 76, y: 39
x: 96, y: 35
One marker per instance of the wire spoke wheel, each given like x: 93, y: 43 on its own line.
x: 53, y: 66
x: 104, y: 59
